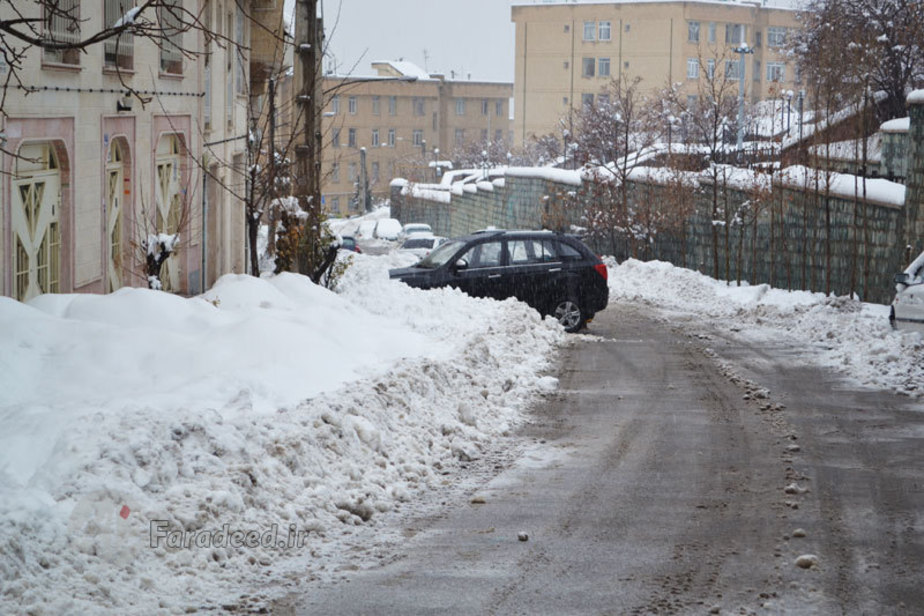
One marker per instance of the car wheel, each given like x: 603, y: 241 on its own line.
x: 568, y: 312
x: 892, y: 317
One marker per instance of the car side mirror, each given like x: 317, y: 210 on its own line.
x: 459, y: 265
x: 903, y: 278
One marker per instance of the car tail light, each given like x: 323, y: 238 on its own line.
x: 601, y: 269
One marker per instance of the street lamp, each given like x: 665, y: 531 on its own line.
x: 741, y: 51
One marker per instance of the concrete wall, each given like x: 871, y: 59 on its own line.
x: 801, y: 239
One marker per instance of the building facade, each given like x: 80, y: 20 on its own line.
x: 566, y: 54
x: 397, y: 123
x: 88, y: 171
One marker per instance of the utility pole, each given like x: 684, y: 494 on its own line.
x: 742, y: 51
x: 308, y: 43
x: 364, y: 181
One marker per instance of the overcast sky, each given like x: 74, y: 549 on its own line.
x: 466, y: 36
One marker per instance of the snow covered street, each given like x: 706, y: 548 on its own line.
x: 161, y: 454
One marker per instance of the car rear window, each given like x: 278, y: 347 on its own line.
x: 569, y: 252
x: 418, y: 242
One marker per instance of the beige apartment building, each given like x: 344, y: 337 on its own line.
x: 88, y: 171
x: 398, y: 122
x: 567, y: 53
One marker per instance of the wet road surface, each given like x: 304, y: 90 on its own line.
x: 678, y: 470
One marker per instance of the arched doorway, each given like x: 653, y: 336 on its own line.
x: 36, y: 222
x: 116, y: 191
x: 169, y: 213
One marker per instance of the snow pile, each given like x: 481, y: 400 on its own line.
x: 847, y: 335
x: 160, y: 454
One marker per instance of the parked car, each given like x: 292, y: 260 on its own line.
x: 907, y: 310
x: 554, y: 273
x: 420, y: 245
x: 412, y: 228
x: 365, y: 230
x: 348, y: 242
x: 387, y: 229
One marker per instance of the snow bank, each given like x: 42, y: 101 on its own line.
x: 269, y: 408
x: 852, y: 337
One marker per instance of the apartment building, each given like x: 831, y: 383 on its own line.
x: 88, y: 171
x: 395, y: 123
x: 567, y: 53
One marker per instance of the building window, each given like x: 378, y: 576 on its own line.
x: 776, y: 36
x: 335, y: 105
x: 484, y: 135
x: 335, y: 204
x: 756, y: 70
x: 459, y: 136
x: 734, y: 34
x: 392, y: 105
x: 118, y: 51
x: 776, y: 71
x: 335, y: 172
x: 732, y: 69
x: 564, y: 100
x: 375, y: 172
x: 391, y: 137
x: 587, y: 101
x: 710, y: 68
x: 603, y: 31
x: 758, y: 38
x: 499, y: 108
x: 567, y: 27
x: 351, y: 138
x: 692, y: 31
x: 484, y: 107
x: 352, y: 105
x: 171, y: 56
x: 692, y: 68
x: 419, y: 107
x: 62, y: 26
x: 603, y: 67
x: 335, y: 138
x: 797, y: 77
x: 590, y: 29
x: 417, y: 137
x: 691, y: 100
x: 603, y: 100
x: 376, y: 105
x: 498, y: 135
x: 587, y: 65
x: 460, y: 106
x: 351, y: 172
x: 712, y: 32
x: 240, y: 72
x: 375, y: 137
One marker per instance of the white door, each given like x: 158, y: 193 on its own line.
x: 36, y: 225
x: 115, y: 176
x: 167, y: 199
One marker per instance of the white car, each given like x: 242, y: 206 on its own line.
x: 421, y: 245
x: 412, y: 228
x: 908, y: 306
x: 365, y: 230
x: 387, y: 229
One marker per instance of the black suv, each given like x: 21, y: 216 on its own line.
x: 554, y: 273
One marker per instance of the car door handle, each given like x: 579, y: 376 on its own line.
x: 555, y: 269
x: 494, y: 276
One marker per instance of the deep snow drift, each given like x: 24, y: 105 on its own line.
x: 144, y: 432
x: 852, y: 337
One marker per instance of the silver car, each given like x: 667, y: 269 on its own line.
x: 908, y: 306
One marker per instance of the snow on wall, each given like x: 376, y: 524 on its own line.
x: 844, y: 185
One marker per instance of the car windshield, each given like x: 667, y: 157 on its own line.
x: 441, y: 255
x: 419, y: 242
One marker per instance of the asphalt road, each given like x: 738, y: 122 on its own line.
x: 678, y: 471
